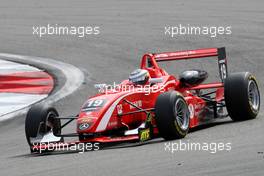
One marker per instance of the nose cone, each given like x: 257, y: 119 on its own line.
x: 97, y: 112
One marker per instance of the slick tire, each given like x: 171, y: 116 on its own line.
x: 41, y: 119
x: 242, y: 96
x: 172, y: 115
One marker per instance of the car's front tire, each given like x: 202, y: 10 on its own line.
x: 40, y: 120
x: 172, y: 115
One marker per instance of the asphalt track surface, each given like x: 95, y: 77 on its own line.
x: 129, y: 29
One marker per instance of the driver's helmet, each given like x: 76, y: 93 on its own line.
x: 139, y: 76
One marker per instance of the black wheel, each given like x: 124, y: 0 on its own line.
x: 242, y: 96
x: 172, y: 115
x: 41, y: 120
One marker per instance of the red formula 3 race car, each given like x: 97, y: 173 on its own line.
x: 151, y: 103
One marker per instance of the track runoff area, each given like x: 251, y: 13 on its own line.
x: 21, y: 85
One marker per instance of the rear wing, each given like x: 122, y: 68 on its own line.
x: 194, y: 54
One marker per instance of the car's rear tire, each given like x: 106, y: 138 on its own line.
x: 172, y: 115
x: 40, y: 120
x: 242, y: 96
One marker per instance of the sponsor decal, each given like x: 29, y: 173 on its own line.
x: 88, y: 120
x: 182, y: 53
x: 113, y: 123
x: 136, y: 103
x: 144, y: 134
x: 119, y: 109
x: 191, y: 110
x: 198, y: 106
x: 84, y: 126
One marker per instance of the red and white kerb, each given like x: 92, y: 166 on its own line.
x: 22, y: 85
